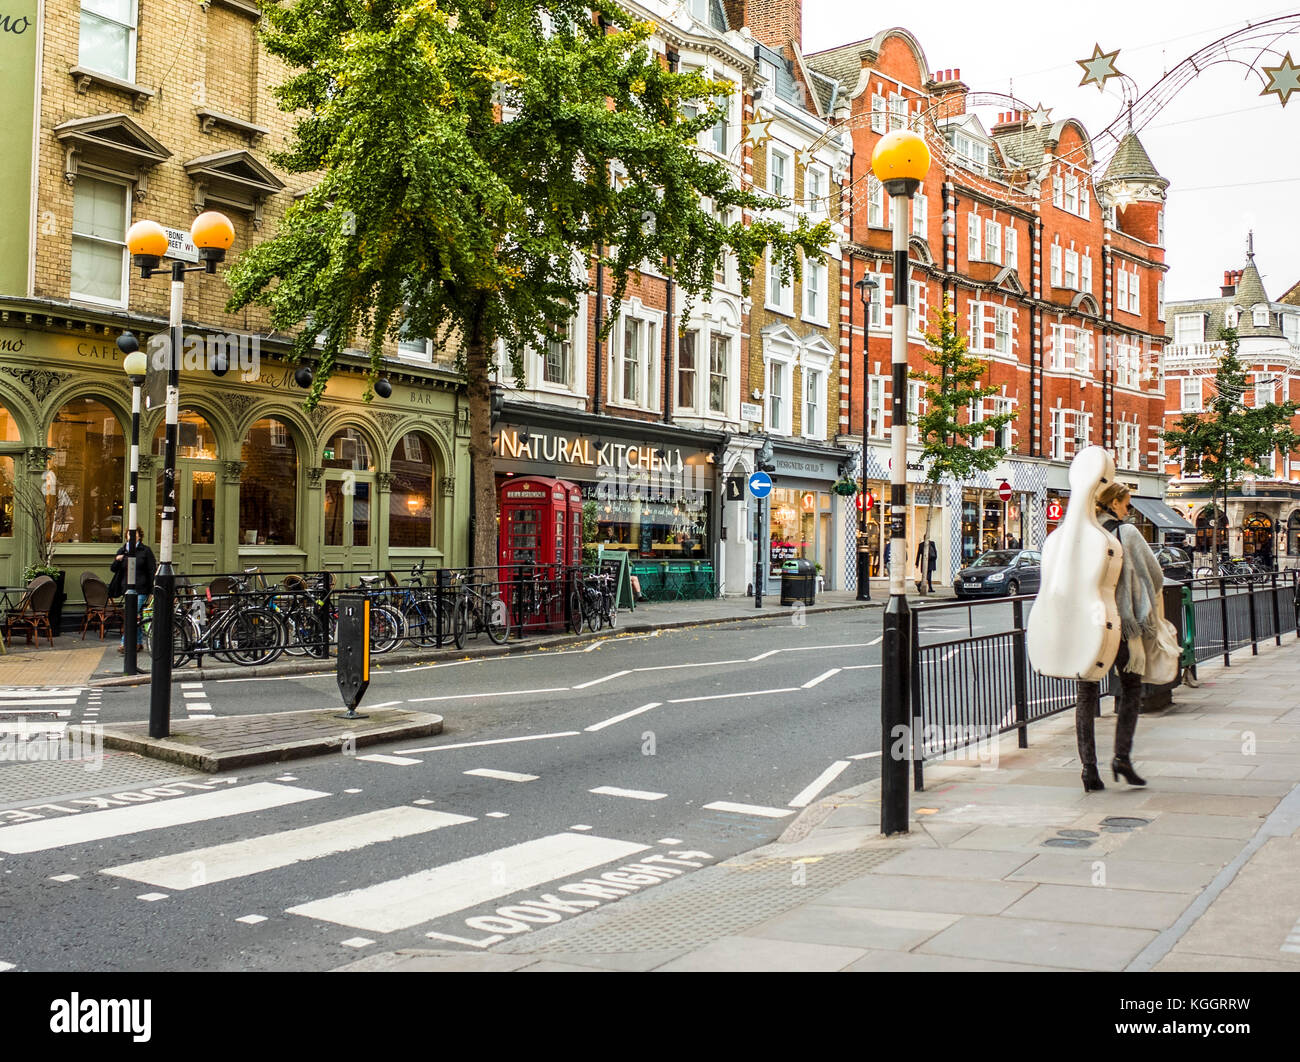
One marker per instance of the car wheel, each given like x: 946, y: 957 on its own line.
x: 1013, y: 588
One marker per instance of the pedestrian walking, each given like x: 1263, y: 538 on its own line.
x: 926, y: 570
x: 145, y: 566
x: 1137, y: 598
x: 1266, y: 553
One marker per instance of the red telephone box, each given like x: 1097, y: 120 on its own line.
x: 535, y: 536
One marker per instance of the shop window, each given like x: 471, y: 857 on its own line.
x: 348, y: 449
x: 107, y: 39
x: 8, y: 426
x: 100, y: 214
x: 1205, y: 530
x: 268, y: 486
x: 8, y: 508
x: 195, y: 439
x: 1293, y: 534
x: 89, y: 466
x: 410, y: 508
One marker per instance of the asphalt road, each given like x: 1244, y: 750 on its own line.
x: 664, y: 752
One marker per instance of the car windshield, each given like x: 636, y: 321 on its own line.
x: 1000, y: 558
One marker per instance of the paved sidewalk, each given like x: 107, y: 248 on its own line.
x: 69, y: 662
x: 656, y: 615
x: 1006, y: 867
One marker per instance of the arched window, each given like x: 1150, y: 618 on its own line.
x: 410, y: 513
x: 1293, y: 534
x: 195, y: 439
x: 268, y: 486
x: 348, y: 449
x: 89, y: 472
x: 8, y: 507
x: 1205, y: 530
x: 8, y: 426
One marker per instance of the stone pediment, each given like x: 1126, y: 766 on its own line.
x: 1009, y: 280
x: 233, y: 179
x: 109, y: 143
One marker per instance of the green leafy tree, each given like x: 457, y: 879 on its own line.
x: 466, y: 151
x: 1229, y: 439
x: 950, y: 439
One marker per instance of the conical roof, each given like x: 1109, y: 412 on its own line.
x: 1131, y: 162
x: 1249, y: 294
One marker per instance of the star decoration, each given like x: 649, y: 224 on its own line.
x: 1282, y: 80
x: 756, y: 132
x: 1040, y: 116
x: 1100, y: 67
x: 804, y: 158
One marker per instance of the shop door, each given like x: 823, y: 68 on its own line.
x: 195, y: 541
x: 347, y: 530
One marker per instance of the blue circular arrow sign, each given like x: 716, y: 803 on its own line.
x: 760, y: 484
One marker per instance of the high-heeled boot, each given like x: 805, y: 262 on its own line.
x: 1122, y: 765
x: 1092, y: 780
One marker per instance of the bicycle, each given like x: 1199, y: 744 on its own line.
x: 592, y: 602
x: 537, y: 595
x: 244, y: 632
x: 420, y: 608
x: 475, y: 611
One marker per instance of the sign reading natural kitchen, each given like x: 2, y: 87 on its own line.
x: 512, y: 444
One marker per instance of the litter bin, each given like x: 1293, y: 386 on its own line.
x: 1158, y: 698
x: 798, y: 582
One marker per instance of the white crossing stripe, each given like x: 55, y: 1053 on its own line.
x: 634, y: 794
x: 191, y: 685
x: 7, y: 966
x: 272, y: 851
x: 819, y: 783
x: 7, y: 704
x: 429, y: 894
x: 821, y: 678
x: 866, y: 755
x: 505, y: 776
x: 748, y: 809
x: 39, y: 691
x: 396, y: 761
x: 499, y: 693
x: 194, y: 693
x: 62, y: 713
x: 492, y: 741
x: 121, y: 822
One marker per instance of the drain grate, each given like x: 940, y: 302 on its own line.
x: 1124, y: 822
x: 1080, y: 834
x: 716, y: 902
x: 1066, y: 842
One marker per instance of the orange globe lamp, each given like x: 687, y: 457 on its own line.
x: 147, y: 243
x: 212, y: 234
x: 900, y: 156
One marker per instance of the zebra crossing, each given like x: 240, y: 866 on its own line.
x: 168, y: 816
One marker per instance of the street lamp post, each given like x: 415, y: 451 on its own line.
x: 212, y: 234
x: 900, y: 160
x: 866, y: 289
x: 134, y: 364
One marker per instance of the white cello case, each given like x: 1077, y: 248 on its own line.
x: 1074, y: 626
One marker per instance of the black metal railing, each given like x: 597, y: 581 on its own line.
x: 247, y: 618
x: 970, y: 687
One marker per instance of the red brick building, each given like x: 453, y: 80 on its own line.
x: 1054, y: 269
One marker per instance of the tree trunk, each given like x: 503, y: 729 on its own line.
x: 484, y: 500
x: 925, y: 542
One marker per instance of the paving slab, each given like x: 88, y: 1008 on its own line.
x: 225, y: 743
x: 940, y: 895
x: 1175, y: 848
x: 1110, y: 871
x: 1187, y: 825
x: 917, y: 962
x: 1210, y: 803
x: 754, y: 954
x: 859, y: 927
x: 953, y: 863
x: 1131, y: 908
x: 415, y: 960
x: 1043, y: 943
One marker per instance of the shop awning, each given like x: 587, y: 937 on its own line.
x: 1161, y: 515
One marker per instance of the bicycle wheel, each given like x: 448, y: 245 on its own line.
x: 460, y: 621
x: 496, y: 620
x: 575, y: 611
x: 385, y: 629
x: 254, y: 636
x: 611, y: 613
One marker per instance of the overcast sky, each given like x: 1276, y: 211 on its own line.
x: 1229, y: 153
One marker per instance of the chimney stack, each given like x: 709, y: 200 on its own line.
x: 1230, y: 278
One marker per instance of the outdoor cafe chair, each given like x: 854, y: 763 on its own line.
x: 100, y: 608
x: 33, y: 612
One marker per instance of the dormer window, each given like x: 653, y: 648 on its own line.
x: 1231, y: 316
x: 1259, y: 315
x: 1189, y: 328
x: 974, y: 154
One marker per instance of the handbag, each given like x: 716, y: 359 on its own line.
x: 1163, y: 655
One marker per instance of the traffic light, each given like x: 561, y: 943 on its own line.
x: 498, y: 401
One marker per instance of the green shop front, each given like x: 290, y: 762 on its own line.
x: 261, y: 483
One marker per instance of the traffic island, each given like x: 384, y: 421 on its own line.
x: 232, y: 742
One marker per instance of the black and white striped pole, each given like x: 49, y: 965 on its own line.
x: 212, y: 233
x: 899, y: 162
x: 135, y: 363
